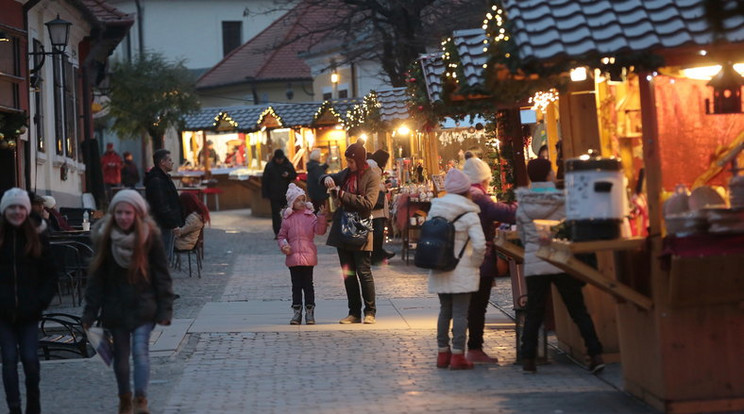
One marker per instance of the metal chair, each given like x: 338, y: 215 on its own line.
x: 69, y: 263
x: 197, y: 250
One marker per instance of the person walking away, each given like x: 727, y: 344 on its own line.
x: 129, y: 172
x: 195, y: 216
x: 381, y: 210
x: 541, y: 201
x: 208, y: 154
x: 130, y: 290
x: 163, y: 198
x: 111, y: 163
x: 479, y: 173
x: 315, y: 189
x: 454, y: 287
x: 28, y: 282
x: 277, y: 175
x: 356, y: 188
x: 299, y: 227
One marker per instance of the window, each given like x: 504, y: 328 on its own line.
x: 232, y: 36
x: 71, y: 109
x: 343, y: 94
x: 38, y: 98
x: 10, y: 73
x: 327, y: 96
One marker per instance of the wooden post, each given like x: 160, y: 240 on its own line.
x: 512, y: 129
x: 551, y: 125
x: 651, y: 159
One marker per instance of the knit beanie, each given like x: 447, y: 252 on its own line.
x: 13, y: 196
x: 477, y: 170
x: 538, y: 169
x: 381, y: 157
x: 357, y: 153
x: 49, y: 201
x: 279, y: 154
x: 292, y: 193
x: 456, y: 182
x: 132, y: 197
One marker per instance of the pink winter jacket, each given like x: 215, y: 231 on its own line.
x: 298, y: 230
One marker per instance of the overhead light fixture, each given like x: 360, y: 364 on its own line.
x: 4, y: 37
x: 578, y: 74
x: 403, y: 130
x: 59, y: 35
x: 726, y: 91
x: 334, y: 77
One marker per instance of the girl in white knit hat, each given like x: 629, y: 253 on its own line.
x: 28, y: 281
x: 295, y: 239
x: 129, y: 289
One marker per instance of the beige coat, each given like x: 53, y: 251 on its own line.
x: 189, y: 232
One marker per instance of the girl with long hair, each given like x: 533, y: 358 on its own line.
x: 195, y: 216
x: 28, y: 281
x: 130, y: 290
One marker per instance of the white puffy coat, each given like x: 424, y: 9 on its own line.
x: 465, y: 277
x: 540, y: 202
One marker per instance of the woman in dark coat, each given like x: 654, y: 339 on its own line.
x: 28, y: 281
x: 356, y: 188
x: 129, y: 290
x: 277, y: 175
x: 315, y: 189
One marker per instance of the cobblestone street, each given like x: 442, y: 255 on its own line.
x: 238, y: 354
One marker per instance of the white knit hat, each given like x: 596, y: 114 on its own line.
x: 477, y: 169
x: 49, y: 201
x: 456, y: 182
x: 13, y: 196
x: 132, y: 197
x: 292, y: 193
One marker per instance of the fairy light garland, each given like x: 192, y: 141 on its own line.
x: 542, y: 99
x: 223, y: 117
x: 270, y: 111
x: 365, y: 115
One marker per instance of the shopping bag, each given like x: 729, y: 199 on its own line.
x: 102, y: 343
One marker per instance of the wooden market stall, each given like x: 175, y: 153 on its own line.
x: 679, y: 288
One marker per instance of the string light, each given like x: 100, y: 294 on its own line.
x: 541, y: 100
x: 223, y: 117
x: 270, y: 111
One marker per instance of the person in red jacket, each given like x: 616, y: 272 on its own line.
x: 111, y: 163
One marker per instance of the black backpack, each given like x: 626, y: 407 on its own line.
x: 436, y: 245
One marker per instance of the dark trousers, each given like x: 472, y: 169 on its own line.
x: 276, y: 216
x: 20, y: 340
x: 477, y: 312
x: 538, y: 289
x: 302, y: 282
x: 318, y: 203
x: 357, y: 273
x: 378, y: 234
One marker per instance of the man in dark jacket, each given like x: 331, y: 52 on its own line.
x: 317, y: 191
x: 277, y: 175
x: 129, y: 173
x: 163, y: 198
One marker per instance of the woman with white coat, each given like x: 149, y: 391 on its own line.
x: 455, y: 287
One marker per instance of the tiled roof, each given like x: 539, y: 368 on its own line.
x: 549, y: 29
x: 393, y: 104
x: 296, y: 114
x: 343, y: 106
x: 105, y: 13
x: 245, y: 116
x: 469, y: 45
x: 273, y: 53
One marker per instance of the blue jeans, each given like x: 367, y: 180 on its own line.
x: 20, y: 340
x: 138, y: 342
x: 169, y: 239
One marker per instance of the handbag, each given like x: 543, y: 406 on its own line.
x: 354, y: 229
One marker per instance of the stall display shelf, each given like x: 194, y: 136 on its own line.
x: 410, y: 232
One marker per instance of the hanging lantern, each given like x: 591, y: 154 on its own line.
x: 726, y: 91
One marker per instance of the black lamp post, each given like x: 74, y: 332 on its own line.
x: 59, y: 35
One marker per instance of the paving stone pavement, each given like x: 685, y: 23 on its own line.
x: 327, y: 368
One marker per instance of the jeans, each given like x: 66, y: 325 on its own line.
x: 538, y: 289
x: 169, y: 240
x: 302, y: 281
x: 357, y: 273
x: 453, y: 307
x: 138, y: 342
x: 477, y: 313
x: 21, y: 340
x: 276, y: 216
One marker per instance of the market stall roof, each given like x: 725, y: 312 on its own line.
x: 469, y: 45
x: 245, y: 118
x: 393, y: 106
x: 551, y: 29
x: 306, y: 114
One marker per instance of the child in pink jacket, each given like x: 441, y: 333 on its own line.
x: 295, y: 239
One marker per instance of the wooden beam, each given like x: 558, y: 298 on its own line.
x: 502, y: 243
x: 616, y: 244
x: 651, y: 156
x: 561, y: 256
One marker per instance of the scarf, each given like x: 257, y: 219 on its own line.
x: 352, y: 179
x: 122, y: 245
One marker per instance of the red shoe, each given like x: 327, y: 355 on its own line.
x: 459, y: 361
x: 443, y: 359
x: 477, y: 356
